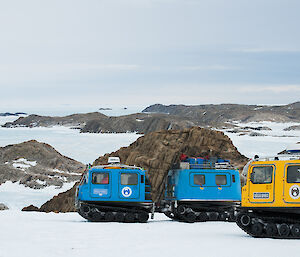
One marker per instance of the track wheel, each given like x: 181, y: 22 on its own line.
x: 232, y: 217
x: 181, y: 209
x: 245, y: 220
x: 295, y: 230
x: 213, y: 216
x: 190, y: 217
x: 143, y: 217
x: 97, y: 216
x: 129, y: 217
x: 203, y: 216
x: 120, y: 216
x: 222, y: 216
x: 271, y: 229
x: 109, y: 216
x: 284, y: 230
x: 85, y: 209
x: 257, y: 229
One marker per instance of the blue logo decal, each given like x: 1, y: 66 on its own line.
x: 126, y: 191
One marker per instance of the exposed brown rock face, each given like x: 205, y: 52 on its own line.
x: 157, y: 152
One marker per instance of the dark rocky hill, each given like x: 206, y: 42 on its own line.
x: 217, y: 114
x: 37, y: 165
x: 140, y: 122
x: 74, y: 120
x: 100, y: 123
x: 157, y: 152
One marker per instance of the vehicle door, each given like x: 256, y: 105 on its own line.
x: 129, y: 185
x: 291, y: 183
x: 100, y: 186
x: 261, y: 184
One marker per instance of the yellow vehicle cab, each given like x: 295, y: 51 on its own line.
x: 270, y: 205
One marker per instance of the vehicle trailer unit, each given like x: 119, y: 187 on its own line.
x: 203, y: 190
x: 114, y: 192
x: 270, y: 205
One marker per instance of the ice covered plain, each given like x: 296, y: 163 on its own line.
x: 68, y: 235
x: 41, y: 234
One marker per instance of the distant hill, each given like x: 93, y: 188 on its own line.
x: 5, y: 114
x: 166, y: 117
x: 74, y: 120
x: 100, y: 123
x: 211, y: 114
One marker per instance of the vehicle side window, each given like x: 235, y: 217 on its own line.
x: 262, y: 175
x: 293, y: 174
x: 100, y: 178
x: 129, y: 178
x: 199, y: 179
x: 221, y: 180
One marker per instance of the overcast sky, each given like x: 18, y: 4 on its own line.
x: 59, y: 53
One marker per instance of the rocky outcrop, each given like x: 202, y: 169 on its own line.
x: 291, y: 128
x: 37, y: 165
x: 217, y: 114
x: 3, y: 207
x: 157, y: 152
x: 31, y: 208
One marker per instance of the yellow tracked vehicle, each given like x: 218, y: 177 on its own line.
x: 270, y: 204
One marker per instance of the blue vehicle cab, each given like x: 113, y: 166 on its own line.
x: 203, y: 189
x: 114, y: 192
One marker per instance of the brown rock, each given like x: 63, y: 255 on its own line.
x: 30, y: 208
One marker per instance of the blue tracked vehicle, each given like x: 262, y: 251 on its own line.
x: 203, y: 190
x: 114, y: 192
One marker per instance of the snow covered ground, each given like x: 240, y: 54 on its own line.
x: 68, y: 235
x: 275, y: 141
x: 16, y: 196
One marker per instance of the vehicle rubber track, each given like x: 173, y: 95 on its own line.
x: 96, y: 213
x: 187, y: 214
x: 261, y: 225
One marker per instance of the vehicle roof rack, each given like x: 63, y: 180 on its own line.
x: 278, y: 157
x: 121, y: 166
x: 207, y: 166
